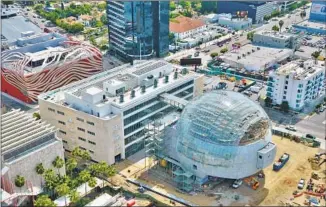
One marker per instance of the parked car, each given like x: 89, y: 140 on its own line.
x: 237, y: 184
x: 196, y: 54
x: 248, y: 93
x: 310, y: 136
x: 301, y: 183
x: 291, y: 128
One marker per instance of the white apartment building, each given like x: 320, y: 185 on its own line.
x: 275, y: 39
x: 106, y: 114
x: 184, y: 27
x: 26, y: 142
x: 297, y: 83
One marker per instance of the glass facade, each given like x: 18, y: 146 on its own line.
x: 139, y: 29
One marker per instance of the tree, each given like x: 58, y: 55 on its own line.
x: 19, y: 181
x: 51, y: 180
x: 268, y: 102
x: 84, y: 176
x: 101, y: 6
x: 40, y: 170
x: 315, y: 55
x: 44, y: 201
x: 250, y: 36
x: 83, y: 202
x: 37, y: 116
x: 275, y: 28
x: 172, y: 6
x: 82, y: 154
x: 58, y: 163
x: 214, y: 54
x: 171, y: 37
x: 63, y: 190
x: 102, y: 169
x: 74, y: 196
x: 71, y: 164
x: 104, y: 19
x: 208, y: 7
x: 197, y: 6
x: 224, y: 50
x: 47, y: 4
x: 281, y: 23
x: 285, y: 106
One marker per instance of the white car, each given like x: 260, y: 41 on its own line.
x: 237, y: 183
x: 291, y: 128
x: 301, y: 183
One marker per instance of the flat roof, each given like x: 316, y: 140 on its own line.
x: 274, y: 34
x: 311, y: 24
x: 260, y: 57
x: 12, y: 27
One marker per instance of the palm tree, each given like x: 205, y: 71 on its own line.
x: 92, y: 182
x: 58, y: 163
x: 84, y: 176
x: 40, y: 170
x: 315, y: 55
x: 71, y: 164
x: 103, y: 170
x: 44, y: 201
x: 281, y: 23
x: 63, y: 190
x: 19, y: 181
x: 50, y: 180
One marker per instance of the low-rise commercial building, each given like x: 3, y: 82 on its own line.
x: 297, y: 83
x: 275, y: 39
x: 26, y: 142
x: 184, y: 27
x: 256, y: 58
x: 106, y: 114
x: 235, y: 23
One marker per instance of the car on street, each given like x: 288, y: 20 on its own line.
x: 310, y: 136
x: 291, y: 128
x: 248, y: 93
x: 196, y: 54
x: 237, y: 184
x: 301, y: 184
x: 206, y: 50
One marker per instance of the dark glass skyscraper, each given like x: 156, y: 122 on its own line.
x: 139, y: 29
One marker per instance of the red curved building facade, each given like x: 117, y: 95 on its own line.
x: 25, y: 78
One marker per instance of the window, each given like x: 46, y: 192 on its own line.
x: 62, y: 122
x: 298, y: 101
x: 80, y: 119
x: 285, y: 87
x: 64, y: 141
x: 51, y: 109
x: 93, y: 143
x: 81, y: 129
x: 299, y: 91
x: 82, y: 139
x: 92, y: 133
x: 62, y: 132
x: 92, y: 152
x: 297, y: 105
x: 284, y: 92
x: 300, y: 85
x: 60, y: 112
x: 284, y: 97
x: 287, y: 76
x: 260, y: 157
x: 194, y: 167
x: 90, y: 123
x: 286, y: 82
x: 82, y: 148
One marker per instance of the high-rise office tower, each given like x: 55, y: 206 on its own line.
x: 139, y: 29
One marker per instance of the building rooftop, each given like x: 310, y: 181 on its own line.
x: 274, y: 34
x: 257, y: 57
x: 119, y: 87
x: 13, y: 27
x: 301, y: 70
x: 312, y: 24
x: 20, y: 133
x: 182, y: 24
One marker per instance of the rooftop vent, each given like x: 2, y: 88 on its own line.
x: 166, y: 80
x: 143, y: 89
x: 175, y: 75
x: 150, y: 77
x: 155, y: 83
x: 133, y: 92
x: 121, y: 98
x: 258, y: 48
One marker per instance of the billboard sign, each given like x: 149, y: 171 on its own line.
x: 318, y: 9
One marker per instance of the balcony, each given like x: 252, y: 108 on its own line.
x: 269, y: 89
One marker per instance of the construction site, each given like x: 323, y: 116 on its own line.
x: 275, y: 188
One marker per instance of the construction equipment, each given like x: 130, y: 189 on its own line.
x: 252, y: 182
x: 281, y: 162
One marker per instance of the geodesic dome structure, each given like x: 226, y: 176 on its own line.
x: 224, y: 134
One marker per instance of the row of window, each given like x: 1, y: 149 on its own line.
x: 82, y: 148
x: 62, y: 113
x: 84, y: 140
x: 83, y: 130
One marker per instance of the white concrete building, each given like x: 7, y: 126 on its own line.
x: 297, y: 83
x: 275, y: 39
x: 235, y: 23
x: 26, y: 142
x: 106, y: 113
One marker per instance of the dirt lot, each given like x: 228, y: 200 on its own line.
x: 275, y: 189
